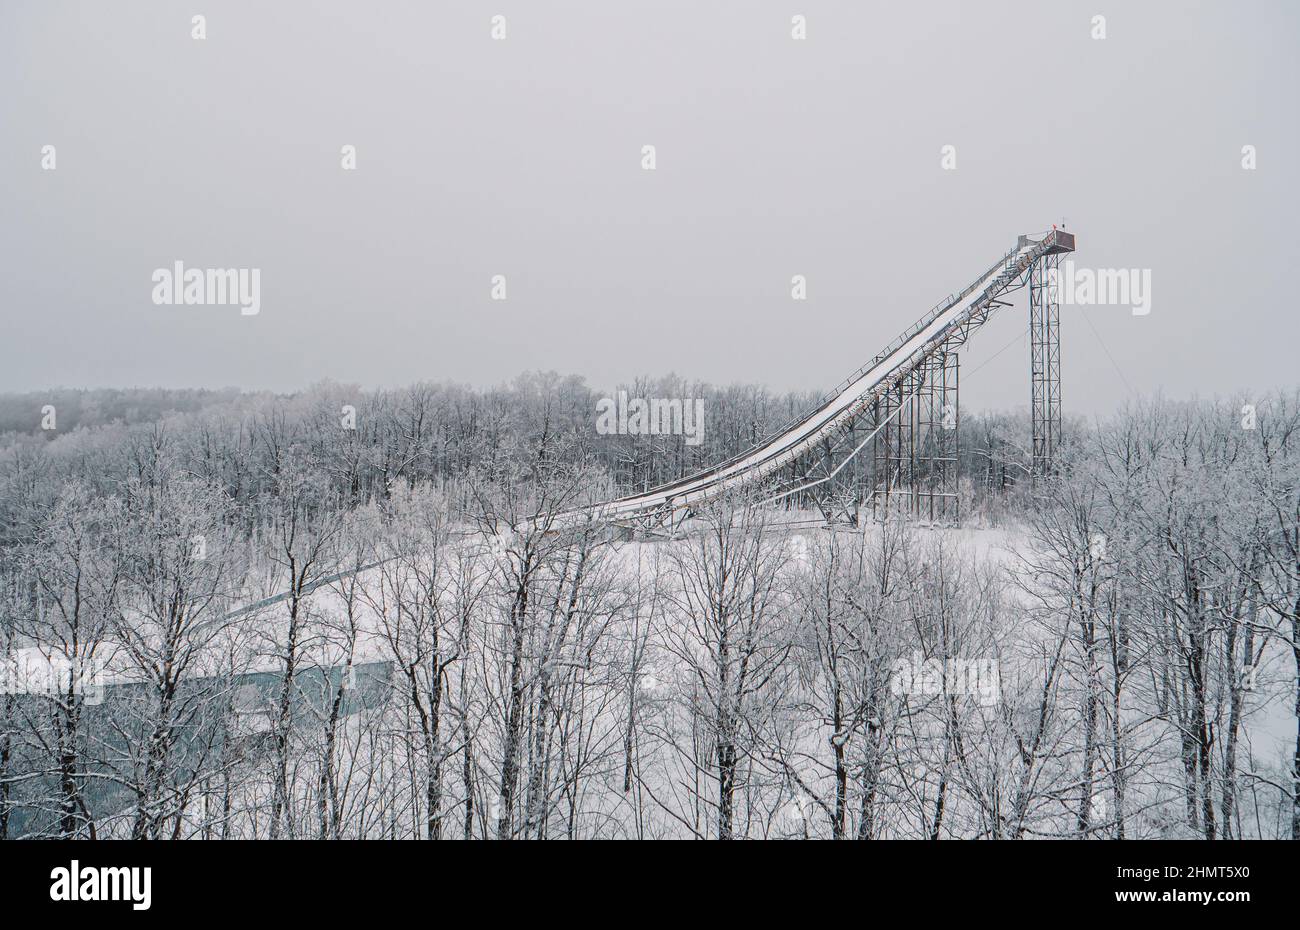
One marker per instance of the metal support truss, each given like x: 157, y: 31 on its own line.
x: 891, y: 449
x: 915, y: 451
x: 935, y: 473
x: 1045, y: 363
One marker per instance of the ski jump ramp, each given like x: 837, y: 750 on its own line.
x: 826, y: 427
x: 939, y: 330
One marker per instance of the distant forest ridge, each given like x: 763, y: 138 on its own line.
x: 22, y: 411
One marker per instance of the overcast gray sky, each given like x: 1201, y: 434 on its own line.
x: 522, y: 157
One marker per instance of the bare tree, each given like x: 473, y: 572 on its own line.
x: 726, y: 635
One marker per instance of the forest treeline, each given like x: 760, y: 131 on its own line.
x: 264, y: 622
x: 436, y: 431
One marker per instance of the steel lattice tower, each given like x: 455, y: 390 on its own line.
x: 1045, y: 362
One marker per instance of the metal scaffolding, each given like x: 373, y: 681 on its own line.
x: 937, y: 414
x: 1045, y: 362
x: 915, y: 450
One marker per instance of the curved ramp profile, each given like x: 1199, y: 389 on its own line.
x: 853, y: 395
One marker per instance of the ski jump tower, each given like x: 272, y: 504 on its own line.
x: 915, y: 438
x: 903, y: 403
